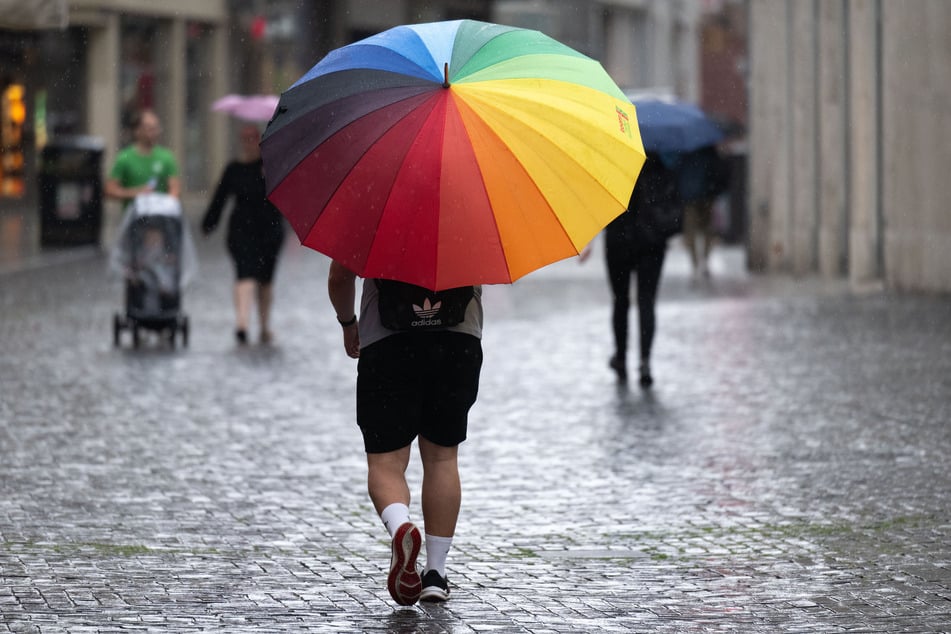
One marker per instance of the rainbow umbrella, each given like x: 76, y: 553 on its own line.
x: 452, y: 153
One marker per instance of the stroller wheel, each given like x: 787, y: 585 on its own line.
x: 116, y: 330
x: 184, y: 327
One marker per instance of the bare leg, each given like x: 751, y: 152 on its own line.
x: 265, y: 299
x: 386, y: 482
x: 442, y: 490
x: 243, y: 298
x: 386, y: 478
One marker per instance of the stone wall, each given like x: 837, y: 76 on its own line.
x: 850, y: 139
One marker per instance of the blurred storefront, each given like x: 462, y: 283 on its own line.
x: 88, y: 76
x: 17, y: 50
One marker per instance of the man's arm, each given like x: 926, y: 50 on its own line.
x: 341, y: 286
x: 175, y: 186
x: 114, y: 189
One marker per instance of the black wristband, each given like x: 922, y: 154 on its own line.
x: 349, y: 322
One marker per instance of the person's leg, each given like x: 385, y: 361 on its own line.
x: 706, y: 223
x: 442, y: 495
x: 386, y: 478
x: 243, y: 299
x: 266, y: 264
x: 442, y: 490
x: 265, y: 299
x: 456, y: 362
x: 649, y: 268
x: 691, y: 227
x: 386, y: 482
x: 387, y: 415
x: 619, y: 277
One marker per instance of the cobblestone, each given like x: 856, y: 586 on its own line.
x: 789, y: 472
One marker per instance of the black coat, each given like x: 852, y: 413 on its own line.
x: 255, y: 227
x: 653, y: 214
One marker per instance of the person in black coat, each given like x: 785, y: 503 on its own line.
x: 255, y: 234
x: 636, y: 243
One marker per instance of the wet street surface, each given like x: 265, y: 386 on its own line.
x: 790, y: 471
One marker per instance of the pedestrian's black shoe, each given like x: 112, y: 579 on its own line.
x: 617, y: 364
x: 403, y: 581
x: 241, y: 336
x: 646, y: 379
x: 435, y: 587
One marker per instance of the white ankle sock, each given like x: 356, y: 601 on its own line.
x: 394, y: 516
x: 437, y: 548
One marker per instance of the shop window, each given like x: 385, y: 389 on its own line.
x: 197, y: 97
x: 12, y: 162
x: 137, y: 75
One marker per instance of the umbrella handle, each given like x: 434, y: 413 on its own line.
x: 445, y: 72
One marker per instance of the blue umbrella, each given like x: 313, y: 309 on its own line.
x: 674, y: 126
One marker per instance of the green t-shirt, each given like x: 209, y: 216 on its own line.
x: 133, y: 169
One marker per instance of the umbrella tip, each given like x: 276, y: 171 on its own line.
x: 445, y: 74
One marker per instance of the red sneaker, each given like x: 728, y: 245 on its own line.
x: 404, y: 582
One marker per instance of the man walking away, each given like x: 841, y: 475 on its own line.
x: 411, y: 384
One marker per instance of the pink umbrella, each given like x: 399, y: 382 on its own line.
x: 247, y: 107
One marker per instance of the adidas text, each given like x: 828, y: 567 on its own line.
x: 426, y: 322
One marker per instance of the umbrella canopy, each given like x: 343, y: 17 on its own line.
x: 452, y: 153
x: 667, y: 125
x: 247, y: 107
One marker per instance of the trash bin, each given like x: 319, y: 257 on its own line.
x: 70, y: 191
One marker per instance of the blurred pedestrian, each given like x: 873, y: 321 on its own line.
x: 144, y: 166
x: 701, y: 178
x: 255, y: 234
x: 412, y: 385
x: 636, y: 243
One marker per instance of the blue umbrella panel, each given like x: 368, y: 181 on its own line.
x: 674, y: 126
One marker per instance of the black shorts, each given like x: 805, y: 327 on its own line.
x: 417, y: 384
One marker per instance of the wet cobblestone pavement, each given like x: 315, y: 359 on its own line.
x: 789, y: 472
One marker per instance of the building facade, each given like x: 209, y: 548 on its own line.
x: 112, y: 58
x: 642, y: 44
x: 850, y: 138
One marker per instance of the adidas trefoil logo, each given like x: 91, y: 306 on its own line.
x: 426, y: 312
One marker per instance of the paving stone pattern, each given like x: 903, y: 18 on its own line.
x: 789, y: 472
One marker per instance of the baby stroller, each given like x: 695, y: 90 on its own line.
x: 155, y: 256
